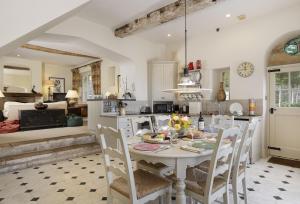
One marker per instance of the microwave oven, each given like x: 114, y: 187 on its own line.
x: 163, y: 107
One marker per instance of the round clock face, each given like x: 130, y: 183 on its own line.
x: 245, y: 69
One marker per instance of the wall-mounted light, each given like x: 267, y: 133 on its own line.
x: 228, y: 15
x: 169, y: 35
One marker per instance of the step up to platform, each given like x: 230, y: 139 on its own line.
x: 22, y: 147
x: 12, y: 163
x: 27, y: 149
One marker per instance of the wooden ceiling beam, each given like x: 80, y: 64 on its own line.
x: 55, y: 51
x: 163, y: 15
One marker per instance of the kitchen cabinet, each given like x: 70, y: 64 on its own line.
x: 162, y: 75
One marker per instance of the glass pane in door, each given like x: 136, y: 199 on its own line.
x: 295, y: 89
x: 282, y: 89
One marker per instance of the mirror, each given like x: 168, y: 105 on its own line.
x: 17, y: 79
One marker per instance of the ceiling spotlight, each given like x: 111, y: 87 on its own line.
x: 18, y: 55
x: 242, y: 17
x: 169, y: 35
x: 228, y: 15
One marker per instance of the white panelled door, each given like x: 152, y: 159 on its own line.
x: 285, y: 112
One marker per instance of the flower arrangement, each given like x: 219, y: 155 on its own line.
x: 179, y: 122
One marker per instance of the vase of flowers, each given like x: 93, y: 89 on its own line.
x: 180, y: 124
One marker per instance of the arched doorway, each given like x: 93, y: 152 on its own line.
x: 284, y: 99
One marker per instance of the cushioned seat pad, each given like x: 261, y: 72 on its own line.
x: 145, y: 183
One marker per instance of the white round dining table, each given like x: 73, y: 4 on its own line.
x: 174, y: 157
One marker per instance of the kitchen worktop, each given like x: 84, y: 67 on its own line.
x: 243, y: 117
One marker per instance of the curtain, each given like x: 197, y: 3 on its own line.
x: 96, y: 77
x: 76, y: 79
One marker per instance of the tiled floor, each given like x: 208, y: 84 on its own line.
x: 82, y: 180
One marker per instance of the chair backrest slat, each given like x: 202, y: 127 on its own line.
x: 113, y: 153
x: 244, y: 147
x: 117, y: 171
x: 222, y: 158
x: 162, y: 120
x: 222, y: 121
x: 121, y: 153
x: 136, y: 122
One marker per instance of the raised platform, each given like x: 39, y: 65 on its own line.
x: 30, y: 148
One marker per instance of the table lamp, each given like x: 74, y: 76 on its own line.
x: 1, y: 94
x: 72, y: 97
x: 49, y: 84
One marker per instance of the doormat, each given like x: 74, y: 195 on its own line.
x: 285, y: 162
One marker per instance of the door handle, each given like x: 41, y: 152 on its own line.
x: 272, y: 110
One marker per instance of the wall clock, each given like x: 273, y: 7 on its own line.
x: 245, y: 69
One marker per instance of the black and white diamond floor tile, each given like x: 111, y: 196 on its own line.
x: 68, y: 182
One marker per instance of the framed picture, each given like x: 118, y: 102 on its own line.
x: 59, y: 84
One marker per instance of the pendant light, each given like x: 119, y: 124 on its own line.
x: 185, y: 80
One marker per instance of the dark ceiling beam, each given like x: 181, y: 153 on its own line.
x: 163, y: 15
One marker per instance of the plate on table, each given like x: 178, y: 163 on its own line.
x: 236, y: 109
x: 202, y: 145
x: 146, y: 147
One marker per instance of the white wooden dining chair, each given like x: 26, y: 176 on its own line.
x: 128, y: 186
x: 206, y: 187
x: 238, y: 173
x: 158, y: 168
x: 141, y: 125
x: 222, y: 121
x: 161, y: 121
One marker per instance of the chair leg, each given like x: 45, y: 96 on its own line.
x: 109, y: 198
x: 235, y: 191
x: 225, y: 197
x: 169, y: 195
x: 161, y: 199
x: 245, y: 190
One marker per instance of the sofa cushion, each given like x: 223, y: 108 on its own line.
x: 9, y: 126
x: 11, y: 109
x: 74, y: 120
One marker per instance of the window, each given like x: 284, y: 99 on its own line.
x: 87, y: 86
x: 293, y: 46
x: 287, y: 89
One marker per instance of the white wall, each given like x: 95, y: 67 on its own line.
x: 137, y: 50
x: 247, y: 41
x: 35, y: 67
x: 60, y: 71
x: 109, y: 72
x: 39, y: 72
x: 24, y: 20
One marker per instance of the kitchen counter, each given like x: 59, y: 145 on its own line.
x: 243, y: 117
x: 131, y: 115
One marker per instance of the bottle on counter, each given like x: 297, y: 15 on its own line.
x: 252, y: 107
x: 200, y: 122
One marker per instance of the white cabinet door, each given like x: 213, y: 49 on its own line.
x: 163, y: 76
x: 169, y: 80
x: 157, y: 72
